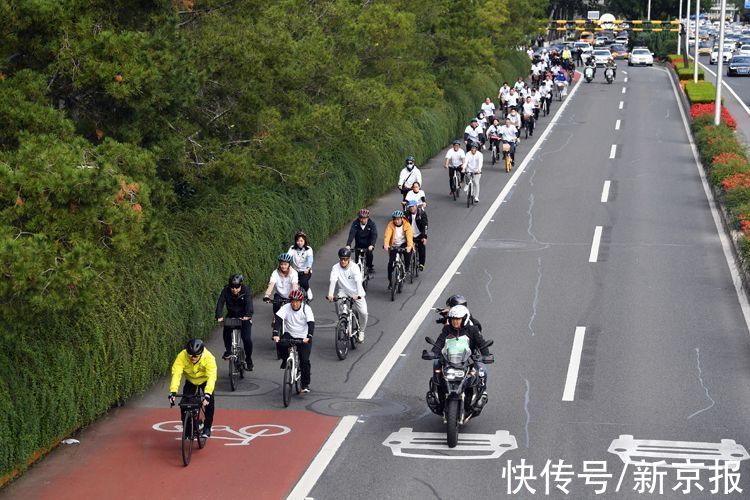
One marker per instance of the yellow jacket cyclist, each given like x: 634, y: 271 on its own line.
x: 199, y: 367
x: 398, y: 234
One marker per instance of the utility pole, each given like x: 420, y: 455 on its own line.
x: 697, y: 37
x: 720, y: 68
x: 687, y: 36
x: 679, y: 33
x: 648, y: 14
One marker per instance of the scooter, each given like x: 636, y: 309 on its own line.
x: 609, y: 75
x: 588, y: 73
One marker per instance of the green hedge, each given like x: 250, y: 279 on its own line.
x: 675, y: 57
x: 688, y: 73
x: 58, y: 377
x: 701, y: 92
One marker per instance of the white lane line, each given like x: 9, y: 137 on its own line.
x: 617, y: 125
x: 321, y: 460
x: 575, y: 362
x: 595, y: 244
x: 624, y: 89
x: 605, y: 191
x: 613, y: 151
x: 725, y: 245
x: 625, y: 80
x: 730, y: 89
x: 622, y: 103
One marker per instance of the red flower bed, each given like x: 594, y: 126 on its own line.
x: 678, y: 61
x: 745, y: 223
x: 740, y: 180
x: 724, y: 158
x: 708, y: 109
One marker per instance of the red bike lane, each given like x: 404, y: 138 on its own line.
x: 135, y: 453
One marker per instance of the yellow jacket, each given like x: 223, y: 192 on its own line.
x: 202, y: 371
x: 390, y: 234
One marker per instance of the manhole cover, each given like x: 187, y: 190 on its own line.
x: 337, y: 407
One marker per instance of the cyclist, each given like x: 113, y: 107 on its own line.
x: 239, y: 302
x: 515, y: 118
x: 398, y: 234
x: 302, y: 261
x: 454, y: 159
x: 296, y: 320
x: 536, y: 98
x: 519, y: 84
x: 509, y: 135
x: 283, y: 281
x: 513, y: 97
x: 502, y: 95
x: 199, y: 367
x: 566, y: 57
x: 348, y: 278
x: 408, y: 176
x: 453, y: 301
x: 528, y: 115
x: 494, y: 135
x: 416, y: 194
x: 473, y: 133
x: 473, y: 165
x: 488, y: 108
x: 364, y: 234
x: 417, y: 218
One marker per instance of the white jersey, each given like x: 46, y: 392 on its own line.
x: 284, y: 284
x: 508, y: 134
x: 518, y: 85
x: 419, y: 196
x: 528, y: 108
x: 473, y: 133
x: 493, y: 130
x: 515, y: 119
x: 349, y: 281
x: 455, y: 158
x: 295, y: 322
x: 399, y: 236
x: 512, y: 99
x: 504, y: 91
x: 488, y: 109
x: 302, y: 258
x: 536, y: 98
x: 474, y: 162
x: 406, y: 178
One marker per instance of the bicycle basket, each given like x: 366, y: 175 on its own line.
x: 233, y: 322
x: 457, y: 350
x: 506, y: 147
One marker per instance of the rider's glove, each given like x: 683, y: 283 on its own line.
x: 207, y: 397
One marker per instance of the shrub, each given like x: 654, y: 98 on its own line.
x: 700, y: 92
x: 687, y: 73
x: 708, y: 109
x: 712, y: 140
x: 673, y: 58
x: 726, y: 164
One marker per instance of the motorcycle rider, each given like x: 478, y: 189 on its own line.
x: 453, y: 301
x: 611, y: 64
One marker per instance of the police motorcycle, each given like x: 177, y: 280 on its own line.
x: 460, y: 377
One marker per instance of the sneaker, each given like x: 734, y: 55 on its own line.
x: 371, y: 270
x: 248, y: 365
x: 390, y: 286
x: 283, y: 364
x: 226, y: 355
x: 361, y: 337
x: 476, y: 199
x: 421, y: 267
x: 206, y: 434
x: 305, y: 389
x: 309, y: 295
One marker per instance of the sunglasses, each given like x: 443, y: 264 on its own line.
x: 235, y: 287
x: 194, y: 356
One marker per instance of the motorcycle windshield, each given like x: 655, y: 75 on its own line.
x: 457, y: 350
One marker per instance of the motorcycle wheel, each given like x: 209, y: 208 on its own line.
x: 451, y: 416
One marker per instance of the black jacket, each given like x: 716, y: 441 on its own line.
x: 471, y: 331
x: 363, y: 238
x: 421, y: 222
x: 238, y: 306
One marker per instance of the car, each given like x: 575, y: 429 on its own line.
x: 744, y: 50
x: 619, y: 51
x: 601, y: 40
x: 704, y: 47
x: 640, y: 56
x: 585, y: 46
x: 727, y: 54
x: 739, y: 65
x: 602, y: 57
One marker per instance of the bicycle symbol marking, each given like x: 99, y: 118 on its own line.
x: 241, y: 437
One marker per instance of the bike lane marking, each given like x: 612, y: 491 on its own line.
x: 136, y: 454
x: 317, y: 467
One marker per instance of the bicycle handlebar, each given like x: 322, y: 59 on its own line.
x: 269, y: 300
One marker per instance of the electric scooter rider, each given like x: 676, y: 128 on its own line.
x: 458, y: 326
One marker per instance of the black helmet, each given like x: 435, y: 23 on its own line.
x: 456, y: 300
x: 236, y: 280
x: 344, y: 252
x: 195, y: 347
x: 456, y: 142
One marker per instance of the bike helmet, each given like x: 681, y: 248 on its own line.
x: 396, y: 214
x: 236, y: 280
x: 364, y: 213
x: 195, y: 347
x: 459, y: 312
x: 297, y: 295
x: 474, y: 120
x: 456, y: 142
x: 284, y: 257
x: 474, y: 145
x: 456, y: 300
x: 410, y: 159
x: 344, y: 252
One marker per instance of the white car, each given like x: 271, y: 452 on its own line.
x: 602, y: 57
x: 640, y: 56
x: 744, y: 50
x: 727, y: 54
x: 585, y: 47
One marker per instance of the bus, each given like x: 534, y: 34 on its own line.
x: 587, y: 36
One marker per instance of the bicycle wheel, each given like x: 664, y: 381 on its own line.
x: 342, y: 339
x: 297, y: 387
x: 415, y: 262
x: 401, y: 275
x: 199, y: 435
x: 240, y: 363
x: 508, y: 164
x: 394, y: 282
x: 286, y: 388
x: 365, y: 280
x: 355, y: 331
x: 187, y: 438
x: 232, y: 373
x: 470, y: 193
x: 411, y: 266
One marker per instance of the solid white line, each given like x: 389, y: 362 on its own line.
x: 613, y: 151
x: 622, y: 103
x: 617, y: 125
x: 575, y: 362
x: 624, y: 89
x: 605, y: 192
x: 595, y: 244
x: 319, y: 463
x: 323, y: 458
x: 725, y: 245
x: 724, y: 82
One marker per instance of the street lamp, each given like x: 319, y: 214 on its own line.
x: 697, y: 29
x: 687, y: 35
x: 720, y: 68
x: 679, y: 33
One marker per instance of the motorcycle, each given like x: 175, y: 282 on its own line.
x: 609, y: 75
x: 459, y: 374
x: 588, y: 73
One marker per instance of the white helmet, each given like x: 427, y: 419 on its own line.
x: 459, y: 312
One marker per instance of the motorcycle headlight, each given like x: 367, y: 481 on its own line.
x: 453, y: 374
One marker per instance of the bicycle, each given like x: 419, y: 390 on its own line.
x: 398, y: 273
x: 192, y: 423
x: 237, y: 353
x: 469, y: 189
x: 274, y: 301
x: 292, y: 373
x: 495, y: 149
x: 347, y: 327
x: 360, y: 257
x: 508, y: 157
x: 455, y: 183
